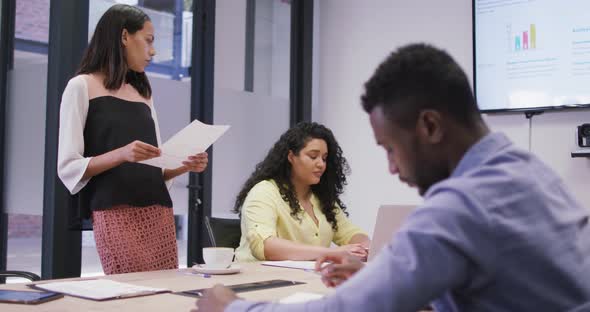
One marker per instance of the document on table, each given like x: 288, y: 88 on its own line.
x: 193, y: 139
x: 98, y: 289
x: 299, y: 297
x: 302, y: 265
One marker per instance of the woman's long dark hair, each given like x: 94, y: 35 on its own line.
x: 105, y: 53
x: 276, y: 166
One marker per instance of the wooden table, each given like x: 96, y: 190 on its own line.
x: 179, y: 280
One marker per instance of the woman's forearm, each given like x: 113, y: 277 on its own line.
x: 173, y: 173
x: 360, y: 239
x: 282, y: 249
x: 101, y: 163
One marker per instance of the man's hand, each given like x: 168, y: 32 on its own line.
x: 339, y: 268
x: 215, y: 299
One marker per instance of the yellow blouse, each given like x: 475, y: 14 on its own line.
x: 265, y: 214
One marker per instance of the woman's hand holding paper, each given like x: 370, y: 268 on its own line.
x: 196, y: 163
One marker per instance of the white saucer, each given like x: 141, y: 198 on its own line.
x: 201, y: 268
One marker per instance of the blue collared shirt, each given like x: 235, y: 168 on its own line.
x: 503, y: 233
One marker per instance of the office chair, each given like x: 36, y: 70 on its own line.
x: 223, y: 232
x: 22, y: 274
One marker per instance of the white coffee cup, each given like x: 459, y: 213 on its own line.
x: 218, y: 257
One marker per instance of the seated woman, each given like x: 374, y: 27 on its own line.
x: 290, y: 207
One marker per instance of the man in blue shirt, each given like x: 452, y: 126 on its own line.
x: 498, y: 230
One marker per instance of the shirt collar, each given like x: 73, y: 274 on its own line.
x: 480, y: 151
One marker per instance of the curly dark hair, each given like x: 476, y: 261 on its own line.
x: 276, y: 166
x: 416, y: 77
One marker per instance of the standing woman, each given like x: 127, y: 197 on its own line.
x: 107, y: 125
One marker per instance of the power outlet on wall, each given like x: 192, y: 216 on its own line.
x: 582, y: 141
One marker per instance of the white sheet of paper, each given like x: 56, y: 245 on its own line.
x: 299, y: 297
x: 99, y: 289
x: 193, y: 139
x: 302, y: 265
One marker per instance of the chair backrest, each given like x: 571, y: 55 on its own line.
x: 223, y: 232
x: 21, y: 274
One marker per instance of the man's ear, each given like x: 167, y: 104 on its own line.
x: 124, y: 37
x: 290, y: 157
x: 429, y: 126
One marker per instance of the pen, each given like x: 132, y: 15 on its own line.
x: 312, y: 271
x: 205, y: 275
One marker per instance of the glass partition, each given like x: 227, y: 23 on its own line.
x: 25, y: 122
x: 257, y: 117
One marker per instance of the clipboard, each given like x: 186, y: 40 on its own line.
x: 244, y: 287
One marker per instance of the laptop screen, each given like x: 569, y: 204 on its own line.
x: 389, y: 220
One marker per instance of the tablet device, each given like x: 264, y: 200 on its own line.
x: 27, y: 297
x: 247, y: 287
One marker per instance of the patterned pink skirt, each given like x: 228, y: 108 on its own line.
x: 135, y: 239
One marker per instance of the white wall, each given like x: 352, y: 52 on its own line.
x: 256, y: 122
x: 355, y: 36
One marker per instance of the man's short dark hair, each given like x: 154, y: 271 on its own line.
x: 417, y: 77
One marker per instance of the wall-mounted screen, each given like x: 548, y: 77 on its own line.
x: 531, y: 54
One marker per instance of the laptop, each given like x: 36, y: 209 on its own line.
x: 389, y: 220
